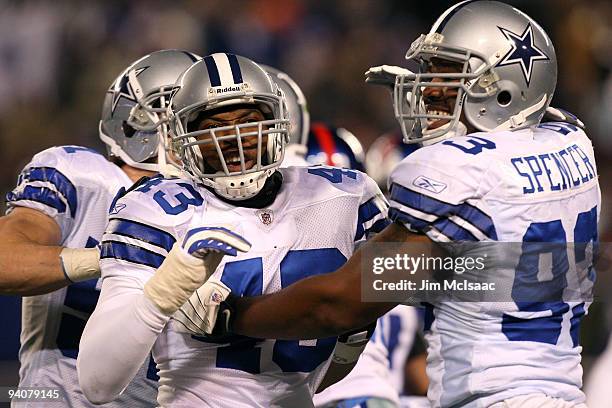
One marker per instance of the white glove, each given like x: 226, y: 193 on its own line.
x: 80, y: 264
x: 189, y: 265
x: 199, y: 314
x: 385, y: 74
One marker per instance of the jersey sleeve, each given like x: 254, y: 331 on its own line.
x: 48, y: 184
x: 373, y: 211
x: 436, y: 191
x: 142, y: 229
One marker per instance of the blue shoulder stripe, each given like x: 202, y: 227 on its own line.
x: 60, y: 181
x: 405, y: 218
x: 131, y: 253
x: 142, y: 232
x: 475, y: 216
x: 379, y: 225
x: 444, y: 225
x: 366, y: 212
x: 42, y: 195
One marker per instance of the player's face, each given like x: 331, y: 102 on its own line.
x: 231, y: 116
x: 441, y: 100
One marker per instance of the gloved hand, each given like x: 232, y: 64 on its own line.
x: 190, y: 264
x: 385, y: 74
x: 199, y: 314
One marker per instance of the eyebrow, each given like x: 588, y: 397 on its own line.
x: 246, y: 114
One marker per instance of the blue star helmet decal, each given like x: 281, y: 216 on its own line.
x: 125, y: 89
x: 523, y: 52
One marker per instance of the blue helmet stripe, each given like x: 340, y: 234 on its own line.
x: 451, y: 14
x: 235, y: 67
x: 213, y: 71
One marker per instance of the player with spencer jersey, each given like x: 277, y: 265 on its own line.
x: 489, y: 172
x: 229, y: 131
x: 65, y: 193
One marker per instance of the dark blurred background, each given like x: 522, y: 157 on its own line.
x: 57, y: 59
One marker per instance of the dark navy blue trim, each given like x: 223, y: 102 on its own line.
x: 213, y: 71
x: 41, y: 195
x: 454, y: 231
x: 142, y: 232
x: 191, y: 56
x: 130, y: 253
x: 193, y: 231
x: 60, y: 181
x: 415, y: 223
x: 444, y: 22
x: 475, y: 216
x: 235, y: 66
x: 379, y: 225
x: 447, y: 227
x: 367, y: 211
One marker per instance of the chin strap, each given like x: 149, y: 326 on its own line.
x: 521, y: 117
x: 458, y: 130
x: 239, y: 188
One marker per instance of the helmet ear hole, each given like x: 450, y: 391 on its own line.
x: 128, y: 131
x: 504, y: 98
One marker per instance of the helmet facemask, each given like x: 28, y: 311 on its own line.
x: 409, y: 103
x: 231, y: 173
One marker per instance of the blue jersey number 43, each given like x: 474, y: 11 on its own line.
x: 245, y: 277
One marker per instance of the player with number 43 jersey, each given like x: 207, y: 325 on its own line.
x: 230, y: 131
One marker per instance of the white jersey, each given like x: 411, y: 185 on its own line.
x: 312, y: 227
x: 531, y: 185
x: 295, y: 156
x: 379, y: 373
x: 75, y: 186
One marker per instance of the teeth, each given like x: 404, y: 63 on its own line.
x: 437, y: 112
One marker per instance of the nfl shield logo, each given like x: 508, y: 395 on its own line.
x: 265, y: 216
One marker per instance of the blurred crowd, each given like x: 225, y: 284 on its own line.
x: 58, y: 57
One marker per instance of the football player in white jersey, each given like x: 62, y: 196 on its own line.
x: 56, y: 217
x: 372, y: 380
x: 229, y: 130
x: 489, y: 71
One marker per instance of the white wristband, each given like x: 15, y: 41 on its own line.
x: 178, y: 277
x: 80, y: 264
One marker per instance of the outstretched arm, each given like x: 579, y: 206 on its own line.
x: 30, y: 258
x: 319, y: 306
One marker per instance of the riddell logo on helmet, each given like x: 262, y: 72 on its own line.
x: 225, y: 89
x: 228, y: 89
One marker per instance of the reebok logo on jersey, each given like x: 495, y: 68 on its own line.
x: 429, y: 184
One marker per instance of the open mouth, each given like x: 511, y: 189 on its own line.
x: 233, y: 162
x: 437, y: 122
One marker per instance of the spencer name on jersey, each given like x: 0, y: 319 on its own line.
x: 556, y: 170
x: 312, y: 227
x: 496, y: 187
x: 74, y: 186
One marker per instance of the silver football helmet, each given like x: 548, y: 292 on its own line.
x: 134, y: 112
x: 218, y: 81
x: 296, y: 108
x: 507, y: 80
